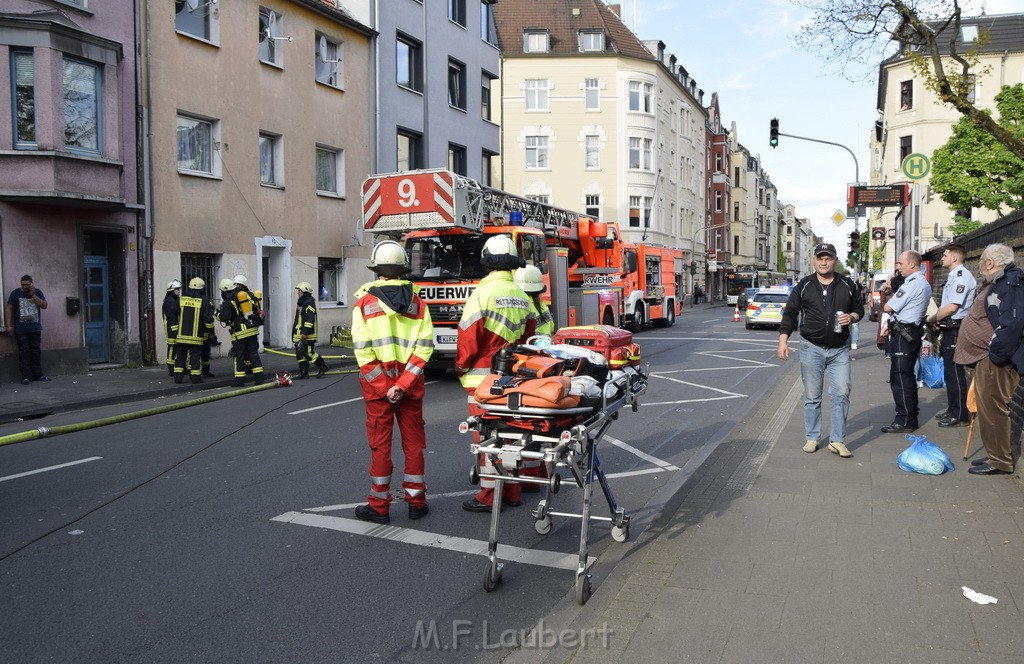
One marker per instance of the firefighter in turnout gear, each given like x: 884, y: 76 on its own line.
x: 304, y: 332
x: 239, y: 311
x: 393, y: 338
x: 497, y: 313
x: 195, y: 325
x: 531, y: 280
x: 170, y: 313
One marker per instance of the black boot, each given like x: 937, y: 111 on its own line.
x: 170, y: 370
x: 208, y: 373
x: 321, y: 367
x: 303, y: 370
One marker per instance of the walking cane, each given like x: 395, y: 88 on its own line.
x: 972, y: 408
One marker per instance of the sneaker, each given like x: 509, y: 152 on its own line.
x: 840, y: 449
x: 853, y: 346
x: 810, y: 446
x: 418, y: 512
x: 367, y: 513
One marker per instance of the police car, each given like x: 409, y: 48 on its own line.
x: 765, y: 307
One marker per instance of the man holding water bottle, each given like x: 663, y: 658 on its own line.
x: 823, y: 306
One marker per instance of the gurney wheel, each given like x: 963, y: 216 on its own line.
x: 492, y: 579
x: 620, y: 533
x: 582, y: 588
x: 554, y: 483
x: 542, y: 526
x: 474, y: 475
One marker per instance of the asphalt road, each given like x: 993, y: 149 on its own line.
x: 224, y: 532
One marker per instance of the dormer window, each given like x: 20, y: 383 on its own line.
x: 591, y: 41
x: 969, y: 33
x: 536, y: 41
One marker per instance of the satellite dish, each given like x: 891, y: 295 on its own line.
x: 322, y: 48
x: 264, y: 29
x: 192, y: 5
x: 271, y: 22
x: 178, y: 6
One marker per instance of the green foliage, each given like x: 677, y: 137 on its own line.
x: 783, y: 264
x: 963, y: 225
x: 973, y: 169
x: 877, y: 256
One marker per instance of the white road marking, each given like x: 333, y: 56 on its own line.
x: 339, y: 403
x: 348, y: 506
x: 433, y: 540
x: 731, y: 395
x: 48, y: 468
x: 643, y: 455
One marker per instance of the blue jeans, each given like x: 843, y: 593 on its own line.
x: 815, y: 362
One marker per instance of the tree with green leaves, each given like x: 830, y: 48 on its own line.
x: 925, y: 32
x: 973, y: 169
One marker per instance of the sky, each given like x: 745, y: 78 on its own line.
x: 746, y: 52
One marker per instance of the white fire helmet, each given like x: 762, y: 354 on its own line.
x: 240, y: 280
x: 197, y: 284
x: 226, y: 285
x: 499, y: 253
x: 389, y: 259
x: 304, y: 287
x: 529, y: 279
x: 174, y: 285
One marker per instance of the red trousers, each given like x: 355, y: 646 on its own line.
x: 380, y: 423
x: 510, y: 492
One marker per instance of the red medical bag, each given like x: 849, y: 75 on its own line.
x: 614, y: 343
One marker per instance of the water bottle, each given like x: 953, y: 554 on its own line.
x: 838, y: 328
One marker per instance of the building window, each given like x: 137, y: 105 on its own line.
x: 906, y: 147
x: 535, y: 41
x: 485, y: 96
x: 634, y: 95
x: 736, y: 212
x: 410, y: 65
x: 648, y: 204
x: 271, y: 29
x: 592, y: 94
x: 328, y: 279
x: 648, y: 143
x: 328, y: 63
x: 457, y: 12
x: 488, y: 31
x: 540, y: 198
x: 203, y: 266
x: 648, y: 96
x: 789, y: 246
x: 330, y: 170
x: 409, y: 151
x: 457, y: 159
x: 486, y: 168
x: 271, y: 160
x: 592, y: 150
x: 196, y: 138
x: 197, y: 18
x: 593, y: 206
x: 536, y: 151
x: 82, y: 106
x: 591, y: 40
x: 634, y: 212
x: 718, y: 201
x: 456, y: 84
x: 718, y: 162
x: 23, y: 90
x: 634, y: 153
x: 736, y: 245
x: 536, y: 94
x: 906, y: 95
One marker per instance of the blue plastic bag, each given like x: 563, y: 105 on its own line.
x: 923, y: 456
x: 932, y: 370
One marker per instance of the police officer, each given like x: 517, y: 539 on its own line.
x: 195, y: 324
x: 531, y: 280
x: 240, y: 314
x: 497, y: 313
x: 304, y: 332
x: 957, y: 296
x: 906, y: 312
x: 393, y: 338
x: 170, y: 314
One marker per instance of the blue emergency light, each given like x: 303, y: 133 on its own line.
x: 515, y: 218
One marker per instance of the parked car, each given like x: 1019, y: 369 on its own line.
x: 766, y: 307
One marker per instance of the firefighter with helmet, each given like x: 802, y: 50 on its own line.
x: 195, y: 325
x: 497, y: 313
x: 531, y: 280
x: 240, y: 312
x: 304, y: 332
x: 393, y: 339
x: 170, y: 314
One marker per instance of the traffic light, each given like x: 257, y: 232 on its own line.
x: 773, y: 133
x: 854, y: 245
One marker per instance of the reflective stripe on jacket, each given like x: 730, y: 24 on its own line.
x: 392, y: 336
x: 305, y: 319
x: 497, y: 313
x: 195, y: 321
x: 545, y: 321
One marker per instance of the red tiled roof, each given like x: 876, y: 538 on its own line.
x: 512, y: 17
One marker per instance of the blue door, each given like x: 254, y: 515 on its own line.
x: 97, y: 311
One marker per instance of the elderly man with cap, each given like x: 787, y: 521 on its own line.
x: 823, y: 305
x: 906, y: 312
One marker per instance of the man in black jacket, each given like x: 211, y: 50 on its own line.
x: 823, y: 306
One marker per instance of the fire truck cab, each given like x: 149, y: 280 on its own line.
x: 652, y: 279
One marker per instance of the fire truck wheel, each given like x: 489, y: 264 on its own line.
x: 670, y: 319
x: 638, y: 319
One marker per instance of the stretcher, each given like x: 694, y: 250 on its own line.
x: 562, y: 439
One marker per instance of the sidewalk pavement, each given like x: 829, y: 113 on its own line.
x: 101, y: 387
x: 770, y: 554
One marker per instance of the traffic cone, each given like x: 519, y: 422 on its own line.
x: 736, y: 314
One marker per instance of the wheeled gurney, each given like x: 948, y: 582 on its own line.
x: 561, y: 438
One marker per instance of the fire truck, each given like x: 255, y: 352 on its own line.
x: 443, y: 219
x: 652, y: 279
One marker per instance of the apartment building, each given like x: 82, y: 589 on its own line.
x: 261, y: 139
x: 912, y: 121
x: 71, y: 210
x: 796, y: 244
x: 437, y: 62
x: 717, y: 202
x: 756, y: 214
x: 597, y: 121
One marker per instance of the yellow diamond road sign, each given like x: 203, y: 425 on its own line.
x: 839, y: 218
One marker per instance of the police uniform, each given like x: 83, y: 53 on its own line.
x: 960, y: 289
x: 908, y: 305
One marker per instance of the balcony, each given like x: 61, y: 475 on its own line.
x: 43, y: 176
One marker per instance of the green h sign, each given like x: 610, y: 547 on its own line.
x: 916, y: 166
